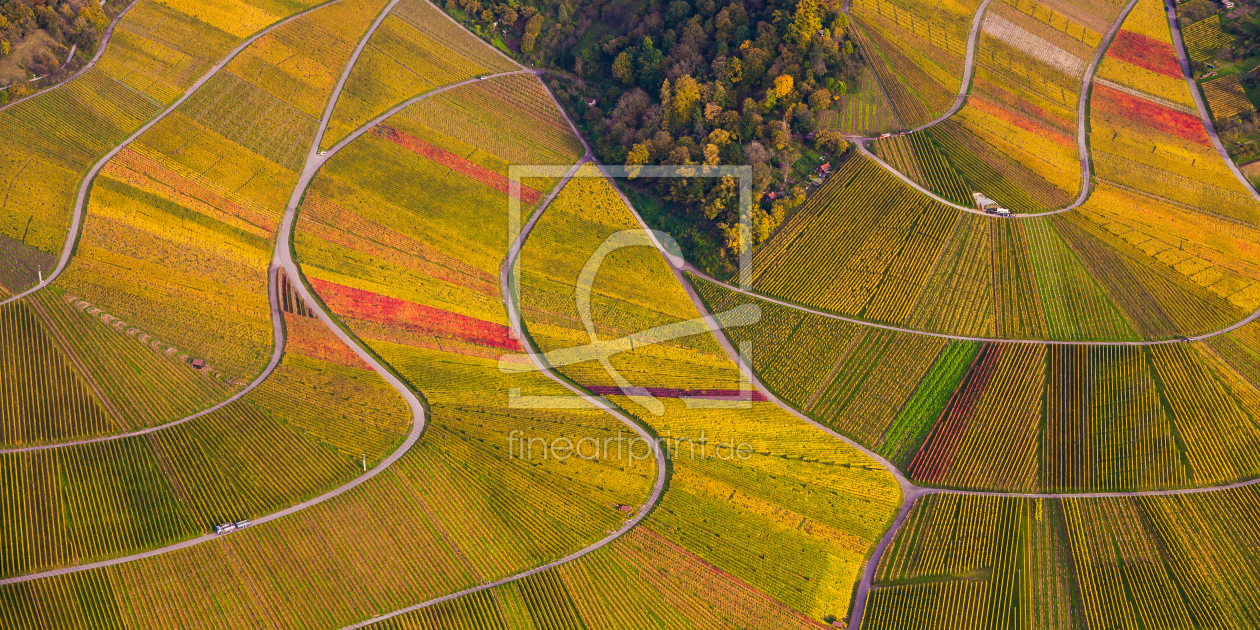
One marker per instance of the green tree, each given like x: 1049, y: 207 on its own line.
x: 649, y: 65
x: 623, y: 68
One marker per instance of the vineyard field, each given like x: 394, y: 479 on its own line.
x: 958, y: 296
x: 158, y: 49
x: 905, y: 435
x: 838, y: 255
x: 793, y: 353
x: 916, y: 87
x: 414, y: 50
x: 306, y: 364
x: 1061, y: 418
x: 1158, y: 301
x: 44, y: 399
x: 1226, y: 98
x: 871, y: 381
x: 715, y: 495
x: 1074, y: 305
x: 1004, y: 563
x: 863, y: 110
x: 1204, y: 37
x: 988, y: 437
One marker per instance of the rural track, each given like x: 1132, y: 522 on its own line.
x: 1082, y: 116
x: 314, y: 162
x: 910, y: 491
x: 1184, y: 58
x: 76, y: 217
x: 514, y: 315
x: 1053, y: 342
x: 969, y: 68
x: 282, y: 259
x: 100, y: 50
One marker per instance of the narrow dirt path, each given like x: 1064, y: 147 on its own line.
x: 805, y: 309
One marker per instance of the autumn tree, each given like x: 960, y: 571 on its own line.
x: 820, y: 99
x: 830, y: 141
x: 806, y: 22
x: 782, y: 85
x: 640, y: 154
x: 686, y: 95
x: 532, y: 28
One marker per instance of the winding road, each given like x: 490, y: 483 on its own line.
x: 910, y: 491
x: 100, y: 50
x: 314, y: 161
x: 282, y: 259
x: 76, y: 217
x: 1082, y: 118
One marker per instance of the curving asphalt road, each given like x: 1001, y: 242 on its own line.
x: 100, y: 50
x: 314, y: 161
x: 282, y: 259
x: 1082, y: 120
x: 1171, y: 9
x: 1236, y: 325
x: 514, y: 314
x: 969, y: 68
x: 76, y: 217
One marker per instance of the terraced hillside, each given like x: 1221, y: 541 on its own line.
x: 354, y: 331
